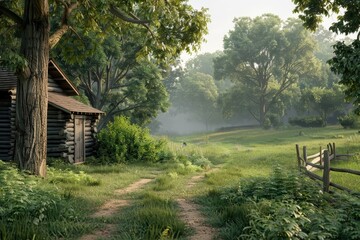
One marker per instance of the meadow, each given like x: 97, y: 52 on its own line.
x: 226, y: 159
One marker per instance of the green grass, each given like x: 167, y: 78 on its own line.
x: 223, y: 158
x: 150, y: 217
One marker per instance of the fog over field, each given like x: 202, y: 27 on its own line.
x: 181, y: 124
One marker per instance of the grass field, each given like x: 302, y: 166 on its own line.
x: 225, y: 158
x: 255, y: 152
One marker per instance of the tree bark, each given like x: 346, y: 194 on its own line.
x: 262, y: 110
x: 32, y: 89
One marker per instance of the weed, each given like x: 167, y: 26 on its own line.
x: 282, y: 206
x: 152, y: 218
x: 163, y: 183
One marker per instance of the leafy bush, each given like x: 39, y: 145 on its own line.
x: 285, y: 206
x: 68, y: 176
x: 349, y: 121
x: 26, y: 208
x: 273, y: 120
x: 307, y: 122
x: 183, y: 159
x: 122, y: 142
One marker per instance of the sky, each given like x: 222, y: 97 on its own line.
x: 223, y: 12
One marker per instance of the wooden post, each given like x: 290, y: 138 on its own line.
x: 305, y: 155
x: 334, y: 151
x: 326, y: 172
x: 321, y: 158
x: 331, y: 149
x: 298, y: 156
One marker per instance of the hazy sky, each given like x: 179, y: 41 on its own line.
x: 223, y: 12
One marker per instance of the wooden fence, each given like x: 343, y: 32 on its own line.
x: 321, y: 160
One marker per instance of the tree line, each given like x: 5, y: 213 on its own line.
x: 269, y: 70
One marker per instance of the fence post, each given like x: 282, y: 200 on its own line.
x: 334, y: 151
x: 331, y: 149
x: 326, y: 172
x: 298, y: 156
x: 305, y: 155
x: 321, y: 156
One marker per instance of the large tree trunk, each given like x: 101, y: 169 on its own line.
x: 262, y: 110
x: 32, y: 92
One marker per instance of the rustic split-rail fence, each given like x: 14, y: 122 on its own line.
x: 321, y: 160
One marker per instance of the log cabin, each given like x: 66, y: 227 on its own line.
x: 71, y: 125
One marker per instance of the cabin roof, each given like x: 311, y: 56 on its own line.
x: 70, y: 105
x: 8, y: 79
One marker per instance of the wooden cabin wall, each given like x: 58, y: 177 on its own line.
x: 56, y: 134
x: 60, y: 129
x: 53, y: 86
x: 7, y: 131
x: 61, y: 134
x: 90, y: 135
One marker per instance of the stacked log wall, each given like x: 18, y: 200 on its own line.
x: 60, y: 129
x: 6, y: 126
x: 56, y: 124
x: 90, y: 135
x: 53, y: 86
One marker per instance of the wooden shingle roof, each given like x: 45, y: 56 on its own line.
x: 70, y: 105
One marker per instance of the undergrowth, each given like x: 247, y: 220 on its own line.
x: 28, y: 210
x: 282, y: 206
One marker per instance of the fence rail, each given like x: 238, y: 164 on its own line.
x: 321, y: 160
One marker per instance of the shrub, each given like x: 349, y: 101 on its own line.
x: 122, y: 142
x: 285, y: 206
x: 67, y: 176
x: 349, y: 121
x: 273, y: 120
x: 307, y: 122
x: 26, y: 209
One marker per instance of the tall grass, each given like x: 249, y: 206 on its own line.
x: 151, y: 217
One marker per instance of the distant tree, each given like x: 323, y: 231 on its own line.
x: 323, y: 101
x: 346, y: 61
x: 264, y: 57
x: 323, y: 77
x: 203, y: 63
x: 26, y: 38
x: 197, y: 94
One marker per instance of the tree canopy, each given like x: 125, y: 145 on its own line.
x: 118, y: 82
x: 346, y: 61
x: 30, y: 28
x: 264, y: 57
x: 197, y: 94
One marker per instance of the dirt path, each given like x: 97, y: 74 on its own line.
x: 194, y: 219
x: 112, y: 206
x: 191, y: 215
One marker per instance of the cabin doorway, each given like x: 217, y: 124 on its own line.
x: 79, y: 139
